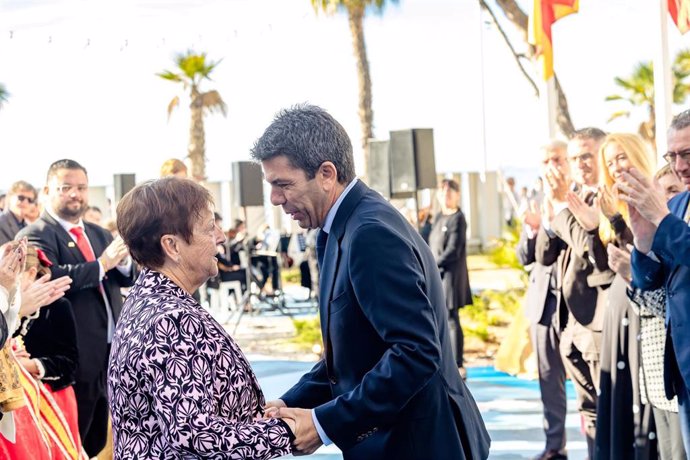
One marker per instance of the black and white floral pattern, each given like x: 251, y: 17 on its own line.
x: 180, y: 387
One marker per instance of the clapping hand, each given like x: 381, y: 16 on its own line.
x: 643, y: 194
x: 586, y: 216
x: 556, y: 185
x: 42, y: 292
x: 12, y: 264
x: 619, y: 260
x: 114, y: 253
x: 606, y: 202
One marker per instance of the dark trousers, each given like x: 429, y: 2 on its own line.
x: 457, y: 338
x: 546, y: 338
x: 582, y: 364
x: 92, y: 410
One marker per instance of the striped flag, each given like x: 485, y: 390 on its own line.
x: 680, y: 12
x: 544, y: 14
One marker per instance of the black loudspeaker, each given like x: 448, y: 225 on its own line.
x: 412, y: 163
x: 378, y: 172
x: 248, y: 185
x: 123, y: 183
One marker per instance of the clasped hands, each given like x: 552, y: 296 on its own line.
x: 301, y: 424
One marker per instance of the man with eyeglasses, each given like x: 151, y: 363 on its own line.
x: 661, y: 258
x: 20, y: 198
x: 563, y: 241
x: 99, y: 266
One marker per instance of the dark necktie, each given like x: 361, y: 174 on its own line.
x: 83, y: 244
x: 321, y: 246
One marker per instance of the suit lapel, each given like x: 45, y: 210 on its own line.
x: 331, y: 259
x: 679, y: 211
x: 64, y: 240
x: 332, y: 252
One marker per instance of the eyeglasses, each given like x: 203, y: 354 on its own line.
x: 683, y: 154
x: 582, y: 157
x: 66, y: 188
x: 26, y: 198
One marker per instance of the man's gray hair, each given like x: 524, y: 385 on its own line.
x: 680, y: 121
x: 307, y: 136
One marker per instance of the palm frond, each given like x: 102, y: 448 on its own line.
x: 618, y: 114
x: 615, y: 97
x: 212, y: 101
x: 4, y: 95
x: 170, y: 76
x: 172, y: 105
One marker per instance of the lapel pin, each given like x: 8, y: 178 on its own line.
x: 71, y: 244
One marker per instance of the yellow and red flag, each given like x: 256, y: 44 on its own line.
x: 544, y: 14
x: 680, y: 12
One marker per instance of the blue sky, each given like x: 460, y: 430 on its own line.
x: 82, y: 78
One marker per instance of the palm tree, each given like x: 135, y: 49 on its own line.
x: 192, y: 69
x: 639, y: 89
x: 356, y: 9
x: 4, y: 95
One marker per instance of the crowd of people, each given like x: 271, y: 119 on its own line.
x: 605, y: 245
x: 606, y: 249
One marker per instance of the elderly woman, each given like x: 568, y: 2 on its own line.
x: 179, y: 386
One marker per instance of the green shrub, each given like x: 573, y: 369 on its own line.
x: 308, y: 331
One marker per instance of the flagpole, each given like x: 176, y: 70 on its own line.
x: 662, y: 78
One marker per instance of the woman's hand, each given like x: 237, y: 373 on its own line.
x: 12, y: 264
x: 42, y: 292
x: 586, y: 216
x: 619, y: 261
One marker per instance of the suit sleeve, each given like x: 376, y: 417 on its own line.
x: 526, y: 248
x: 547, y: 248
x: 647, y: 274
x: 672, y: 241
x: 312, y: 389
x: 84, y: 275
x: 455, y: 244
x: 569, y: 230
x: 392, y: 296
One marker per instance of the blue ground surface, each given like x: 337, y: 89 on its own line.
x: 510, y: 406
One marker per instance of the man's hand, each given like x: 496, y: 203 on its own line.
x: 586, y: 216
x: 556, y: 185
x: 619, y: 261
x: 114, y: 253
x: 645, y: 195
x: 42, y: 292
x: 643, y: 230
x: 307, y: 439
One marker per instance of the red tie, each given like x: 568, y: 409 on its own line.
x: 83, y: 244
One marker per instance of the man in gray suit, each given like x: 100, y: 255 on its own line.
x: 541, y: 308
x: 581, y: 283
x: 20, y: 197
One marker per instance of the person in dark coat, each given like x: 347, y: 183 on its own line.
x: 447, y: 240
x: 20, y: 198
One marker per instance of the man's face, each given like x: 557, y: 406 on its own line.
x: 582, y: 155
x: 68, y: 191
x: 678, y: 142
x: 305, y: 200
x: 21, y: 201
x: 555, y: 159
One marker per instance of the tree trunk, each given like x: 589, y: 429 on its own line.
x: 520, y: 20
x: 197, y: 149
x: 355, y: 14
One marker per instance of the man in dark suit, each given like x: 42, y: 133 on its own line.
x: 19, y: 198
x: 98, y: 266
x: 661, y: 258
x: 542, y: 310
x: 388, y: 386
x: 581, y: 283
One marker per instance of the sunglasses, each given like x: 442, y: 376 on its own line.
x: 26, y: 198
